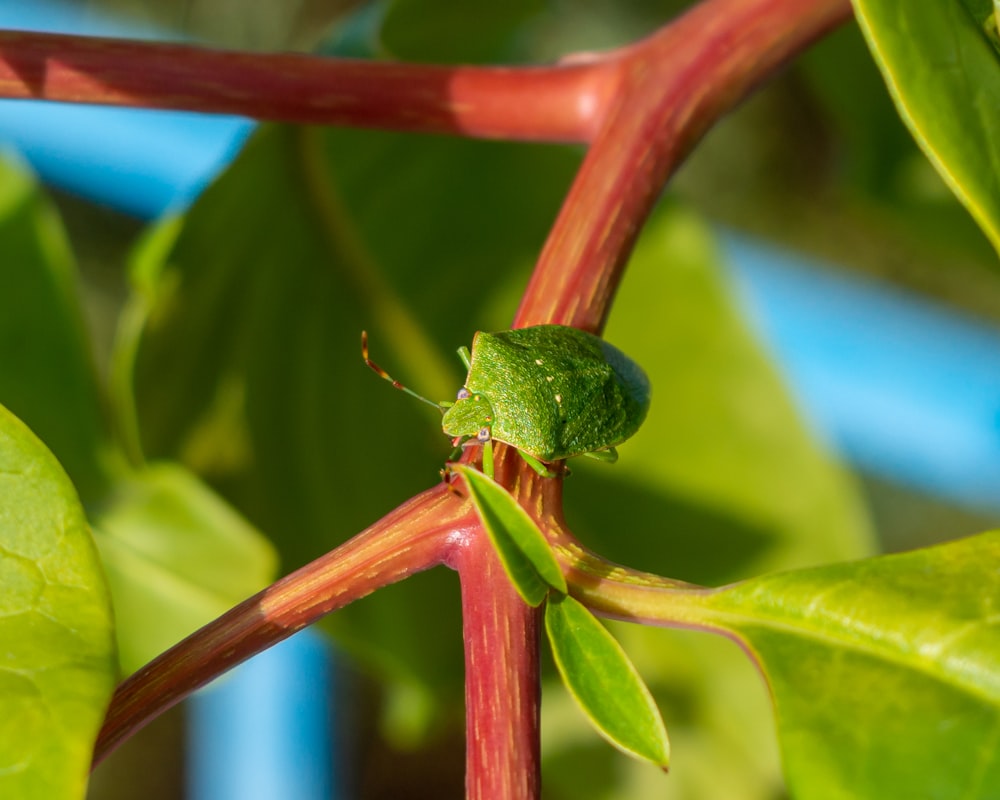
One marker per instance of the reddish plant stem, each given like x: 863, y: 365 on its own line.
x: 501, y: 679
x: 502, y: 689
x: 672, y: 87
x: 414, y: 537
x: 531, y: 103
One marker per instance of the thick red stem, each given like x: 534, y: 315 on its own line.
x: 672, y: 87
x: 533, y: 103
x: 502, y: 651
x: 414, y: 537
x: 501, y: 679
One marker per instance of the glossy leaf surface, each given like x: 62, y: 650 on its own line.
x: 884, y: 671
x: 604, y: 682
x: 56, y: 637
x: 523, y: 549
x: 944, y: 74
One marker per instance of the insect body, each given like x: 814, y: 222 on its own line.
x: 551, y: 391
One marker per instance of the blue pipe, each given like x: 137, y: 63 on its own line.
x: 263, y: 731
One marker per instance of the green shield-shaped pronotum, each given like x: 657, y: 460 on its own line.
x: 551, y: 391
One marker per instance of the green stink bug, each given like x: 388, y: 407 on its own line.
x: 550, y: 391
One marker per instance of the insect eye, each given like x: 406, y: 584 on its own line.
x: 463, y: 394
x: 483, y: 436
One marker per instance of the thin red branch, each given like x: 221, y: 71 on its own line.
x: 414, y: 537
x: 533, y: 103
x: 672, y: 87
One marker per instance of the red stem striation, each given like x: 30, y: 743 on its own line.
x: 416, y: 536
x: 531, y: 103
x: 501, y: 650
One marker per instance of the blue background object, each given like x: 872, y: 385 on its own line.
x: 264, y: 731
x: 139, y: 161
x: 900, y: 387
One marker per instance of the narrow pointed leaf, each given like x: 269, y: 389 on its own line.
x: 523, y: 548
x: 885, y: 673
x: 56, y: 641
x: 944, y: 75
x: 604, y: 682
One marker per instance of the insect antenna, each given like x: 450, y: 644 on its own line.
x: 386, y: 376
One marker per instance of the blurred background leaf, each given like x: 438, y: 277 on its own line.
x: 48, y: 378
x: 173, y: 551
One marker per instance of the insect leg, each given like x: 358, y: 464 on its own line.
x: 537, y: 465
x: 488, y: 458
x: 608, y: 455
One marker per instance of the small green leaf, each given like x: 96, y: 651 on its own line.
x: 885, y: 673
x: 944, y: 75
x: 604, y: 682
x: 56, y: 641
x: 522, y: 547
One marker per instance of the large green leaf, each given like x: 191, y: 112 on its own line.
x: 944, y: 74
x: 56, y: 639
x: 885, y: 673
x: 47, y: 377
